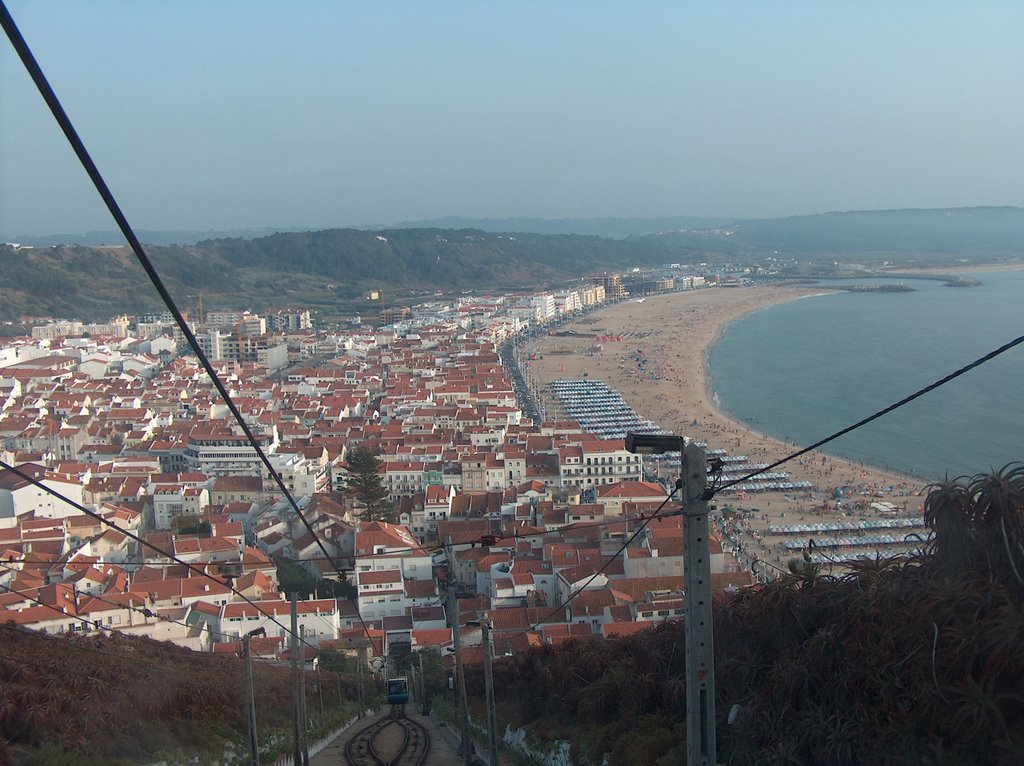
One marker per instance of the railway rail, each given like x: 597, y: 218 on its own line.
x: 393, y: 740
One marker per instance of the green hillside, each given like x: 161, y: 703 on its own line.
x: 324, y: 268
x: 331, y: 269
x: 917, y: 661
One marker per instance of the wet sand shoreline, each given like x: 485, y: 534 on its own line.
x: 660, y: 367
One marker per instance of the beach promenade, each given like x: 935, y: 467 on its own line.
x: 660, y: 368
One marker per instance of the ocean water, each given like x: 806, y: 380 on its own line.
x: 802, y: 370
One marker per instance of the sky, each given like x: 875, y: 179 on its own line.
x: 318, y: 114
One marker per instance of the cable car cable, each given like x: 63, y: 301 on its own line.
x: 906, y: 400
x: 50, y: 97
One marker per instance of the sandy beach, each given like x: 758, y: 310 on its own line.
x: 674, y: 333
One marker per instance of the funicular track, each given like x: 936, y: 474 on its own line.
x: 392, y: 740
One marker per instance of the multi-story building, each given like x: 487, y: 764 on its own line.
x: 597, y: 462
x: 386, y: 555
x: 19, y: 496
x: 268, y: 351
x: 118, y: 327
x: 226, y: 453
x: 612, y: 284
x: 318, y: 619
x: 544, y: 307
x: 592, y: 295
x: 395, y: 314
x: 300, y: 475
x: 224, y: 318
x: 289, y: 320
x: 567, y: 302
x: 57, y: 330
x: 185, y: 496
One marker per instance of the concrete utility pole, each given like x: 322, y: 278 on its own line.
x: 492, y: 724
x: 304, y: 729
x: 361, y: 691
x: 460, y: 679
x: 254, y: 748
x: 296, y: 713
x: 423, y: 685
x: 320, y: 689
x: 701, y: 748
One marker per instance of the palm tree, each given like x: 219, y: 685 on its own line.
x: 999, y: 515
x: 978, y: 524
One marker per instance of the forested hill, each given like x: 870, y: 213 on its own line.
x: 319, y: 268
x: 432, y: 257
x: 325, y: 268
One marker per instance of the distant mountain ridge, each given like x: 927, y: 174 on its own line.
x: 331, y: 266
x: 973, y: 229
x: 147, y: 236
x: 871, y: 230
x: 614, y: 228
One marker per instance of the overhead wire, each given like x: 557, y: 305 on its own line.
x: 711, y: 491
x: 885, y: 411
x: 144, y: 610
x: 483, y: 540
x: 93, y: 626
x: 50, y: 97
x: 67, y: 127
x: 656, y: 514
x: 153, y: 547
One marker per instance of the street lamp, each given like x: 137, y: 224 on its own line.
x: 701, y: 747
x: 654, y: 444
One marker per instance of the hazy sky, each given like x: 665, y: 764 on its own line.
x: 315, y: 114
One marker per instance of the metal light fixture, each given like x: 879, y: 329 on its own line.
x: 653, y: 444
x: 701, y: 748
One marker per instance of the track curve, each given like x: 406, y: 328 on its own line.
x: 393, y: 740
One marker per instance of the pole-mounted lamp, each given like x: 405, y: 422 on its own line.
x: 701, y: 749
x: 653, y: 444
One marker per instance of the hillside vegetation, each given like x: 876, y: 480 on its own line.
x: 917, y: 661
x: 111, y: 699
x: 332, y: 268
x: 322, y: 268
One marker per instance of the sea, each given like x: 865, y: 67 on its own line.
x: 802, y: 370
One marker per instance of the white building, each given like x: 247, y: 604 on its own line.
x: 318, y: 619
x: 225, y: 453
x: 19, y: 496
x: 567, y: 302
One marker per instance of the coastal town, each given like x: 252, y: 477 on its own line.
x: 494, y: 488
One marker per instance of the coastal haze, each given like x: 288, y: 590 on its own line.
x: 241, y: 115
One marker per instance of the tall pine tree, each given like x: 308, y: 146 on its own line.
x: 367, y: 486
